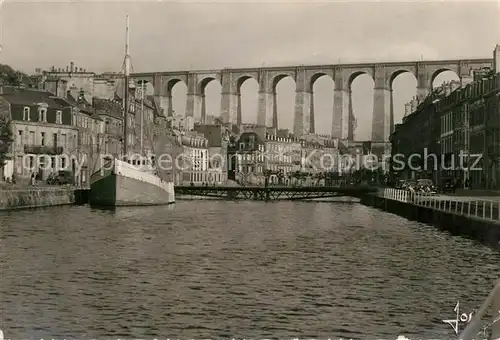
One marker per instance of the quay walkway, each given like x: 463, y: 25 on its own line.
x: 485, y: 208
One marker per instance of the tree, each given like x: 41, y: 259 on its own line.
x: 5, y: 140
x: 8, y: 76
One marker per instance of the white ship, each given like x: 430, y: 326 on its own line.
x: 120, y: 182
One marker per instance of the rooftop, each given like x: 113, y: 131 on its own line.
x: 21, y: 96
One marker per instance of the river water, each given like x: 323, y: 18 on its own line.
x: 216, y: 269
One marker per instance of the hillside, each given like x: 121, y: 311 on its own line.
x: 9, y: 76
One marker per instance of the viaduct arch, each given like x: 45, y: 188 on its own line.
x: 343, y: 75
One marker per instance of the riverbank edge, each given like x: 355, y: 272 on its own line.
x: 484, y: 231
x: 37, y: 197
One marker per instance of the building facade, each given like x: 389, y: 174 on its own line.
x: 247, y: 159
x: 283, y: 156
x: 110, y: 112
x: 90, y: 137
x: 191, y: 160
x: 470, y: 136
x: 218, y: 140
x: 455, y: 133
x: 415, y: 146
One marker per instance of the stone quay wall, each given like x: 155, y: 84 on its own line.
x: 36, y: 197
x: 478, y: 219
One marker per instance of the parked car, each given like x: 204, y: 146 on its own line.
x: 426, y: 186
x: 407, y: 185
x: 448, y: 187
x: 400, y: 184
x: 62, y: 177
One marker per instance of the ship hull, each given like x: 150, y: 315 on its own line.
x: 118, y: 190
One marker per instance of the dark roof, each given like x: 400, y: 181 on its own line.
x: 62, y: 101
x: 214, y: 133
x: 87, y: 109
x: 80, y: 101
x: 32, y: 97
x: 245, y: 136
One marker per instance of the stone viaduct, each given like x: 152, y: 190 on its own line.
x: 343, y: 75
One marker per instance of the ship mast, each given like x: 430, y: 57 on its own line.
x: 126, y: 63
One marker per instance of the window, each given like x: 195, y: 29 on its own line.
x: 58, y: 117
x: 42, y: 115
x: 19, y: 164
x: 20, y: 137
x: 42, y: 142
x: 54, y: 139
x: 64, y: 140
x: 26, y: 113
x: 32, y: 138
x: 53, y: 162
x: 63, y: 162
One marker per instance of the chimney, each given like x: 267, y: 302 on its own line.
x: 67, y: 68
x: 496, y: 59
x: 72, y: 66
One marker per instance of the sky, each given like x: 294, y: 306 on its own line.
x: 184, y: 35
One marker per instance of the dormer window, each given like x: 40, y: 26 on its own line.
x: 42, y: 115
x: 58, y: 117
x: 26, y: 113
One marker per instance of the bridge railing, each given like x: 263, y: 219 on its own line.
x: 287, y: 184
x: 476, y: 329
x: 477, y: 208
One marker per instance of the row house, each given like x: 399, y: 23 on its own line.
x: 181, y: 123
x: 217, y: 136
x: 90, y: 126
x: 470, y: 136
x: 111, y: 114
x: 189, y: 161
x: 160, y: 119
x: 247, y: 159
x: 453, y: 129
x: 251, y: 159
x: 418, y: 135
x: 283, y: 154
x: 90, y: 135
x: 141, y: 121
x: 76, y: 79
x: 45, y: 139
x: 320, y: 153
